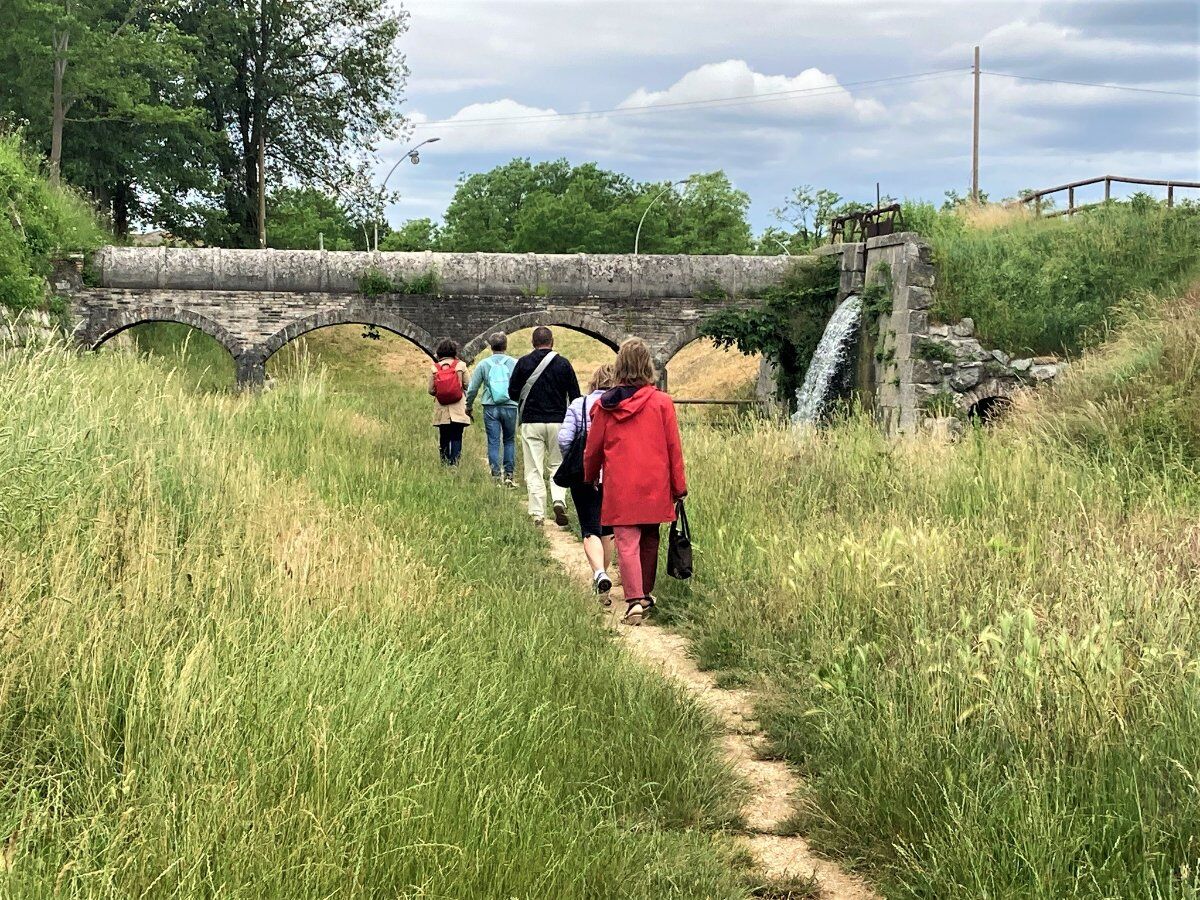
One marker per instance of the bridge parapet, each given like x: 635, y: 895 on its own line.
x: 489, y: 274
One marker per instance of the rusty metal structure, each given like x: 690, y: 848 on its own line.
x: 859, y: 226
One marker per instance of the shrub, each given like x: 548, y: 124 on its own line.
x: 38, y: 221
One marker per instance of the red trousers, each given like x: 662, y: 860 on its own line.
x: 637, y: 550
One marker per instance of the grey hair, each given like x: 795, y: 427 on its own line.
x: 498, y: 341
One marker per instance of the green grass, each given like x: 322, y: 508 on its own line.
x: 1050, y: 285
x: 268, y: 647
x: 38, y: 221
x: 986, y: 657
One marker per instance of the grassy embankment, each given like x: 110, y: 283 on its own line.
x: 268, y: 647
x: 37, y: 222
x: 986, y: 656
x: 1051, y: 285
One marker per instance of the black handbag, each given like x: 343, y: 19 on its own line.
x: 569, y: 473
x: 679, y: 545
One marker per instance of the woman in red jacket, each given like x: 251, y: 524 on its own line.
x: 634, y: 438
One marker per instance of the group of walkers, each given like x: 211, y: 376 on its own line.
x: 621, y: 439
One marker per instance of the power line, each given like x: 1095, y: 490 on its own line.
x: 712, y: 103
x: 1111, y: 87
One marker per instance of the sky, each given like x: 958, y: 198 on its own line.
x: 841, y: 126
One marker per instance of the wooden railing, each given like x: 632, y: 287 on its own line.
x: 1108, y: 180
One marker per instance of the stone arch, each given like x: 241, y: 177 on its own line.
x: 989, y: 398
x: 347, y: 316
x: 143, y: 315
x: 676, y: 341
x: 577, y: 320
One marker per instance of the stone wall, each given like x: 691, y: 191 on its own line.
x: 461, y: 274
x: 26, y: 328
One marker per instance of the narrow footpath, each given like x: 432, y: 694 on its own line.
x: 773, y: 786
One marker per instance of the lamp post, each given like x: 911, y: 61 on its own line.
x: 415, y: 158
x: 637, y: 237
x: 782, y: 245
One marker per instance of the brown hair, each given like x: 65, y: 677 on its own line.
x: 634, y: 366
x: 602, y: 379
x: 542, y: 337
x: 447, y: 349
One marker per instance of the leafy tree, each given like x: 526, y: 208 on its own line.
x: 786, y: 326
x: 299, y: 216
x: 808, y: 210
x: 415, y: 234
x: 552, y: 207
x: 105, y: 87
x: 297, y: 87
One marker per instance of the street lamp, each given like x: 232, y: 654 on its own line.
x: 783, y: 245
x: 414, y: 157
x: 637, y: 237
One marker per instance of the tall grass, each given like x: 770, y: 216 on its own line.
x: 269, y: 648
x: 37, y: 222
x: 986, y: 656
x: 1050, y: 285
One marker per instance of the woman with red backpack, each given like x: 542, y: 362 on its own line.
x: 448, y: 387
x: 634, y: 438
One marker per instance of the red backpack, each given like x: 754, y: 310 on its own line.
x: 447, y: 384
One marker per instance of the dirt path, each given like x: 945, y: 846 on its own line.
x: 782, y: 859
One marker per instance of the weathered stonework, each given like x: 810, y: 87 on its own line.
x: 253, y: 302
x: 26, y: 328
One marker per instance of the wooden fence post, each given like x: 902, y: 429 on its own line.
x: 1070, y: 202
x: 1107, y: 189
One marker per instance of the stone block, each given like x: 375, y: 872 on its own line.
x: 715, y: 271
x: 190, y: 269
x: 562, y: 274
x: 458, y: 272
x: 609, y: 275
x: 662, y: 276
x: 241, y: 270
x: 920, y: 371
x: 964, y: 328
x: 298, y: 270
x: 1021, y: 365
x: 850, y: 283
x: 903, y: 345
x: 761, y: 272
x: 1001, y: 357
x: 965, y: 376
x: 508, y: 273
x: 344, y: 270
x: 939, y: 331
x: 913, y: 321
x: 130, y: 267
x: 915, y: 297
x: 1042, y: 372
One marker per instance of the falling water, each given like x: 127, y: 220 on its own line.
x: 826, y: 360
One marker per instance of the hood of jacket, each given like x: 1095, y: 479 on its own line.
x: 627, y: 401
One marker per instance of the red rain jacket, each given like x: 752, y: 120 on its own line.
x: 635, y: 440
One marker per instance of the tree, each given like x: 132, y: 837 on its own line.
x: 809, y: 210
x: 301, y: 88
x: 552, y: 207
x: 299, y: 218
x: 415, y: 234
x: 105, y: 88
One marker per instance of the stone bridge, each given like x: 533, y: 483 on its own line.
x: 253, y: 302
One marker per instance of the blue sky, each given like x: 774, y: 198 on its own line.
x: 473, y: 60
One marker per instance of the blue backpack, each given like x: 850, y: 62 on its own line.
x: 499, y: 373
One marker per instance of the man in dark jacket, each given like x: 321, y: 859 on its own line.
x: 544, y: 384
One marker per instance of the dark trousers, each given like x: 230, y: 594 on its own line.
x: 450, y: 441
x: 588, y: 500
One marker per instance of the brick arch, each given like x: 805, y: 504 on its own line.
x: 577, y: 320
x: 146, y: 314
x: 989, y: 389
x: 352, y: 316
x: 676, y: 341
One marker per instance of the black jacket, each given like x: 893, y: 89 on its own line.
x: 552, y: 392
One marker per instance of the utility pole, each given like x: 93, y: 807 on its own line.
x: 975, y: 138
x: 262, y: 186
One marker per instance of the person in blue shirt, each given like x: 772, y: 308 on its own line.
x: 499, y: 409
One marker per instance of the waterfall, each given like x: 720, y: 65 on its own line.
x: 828, y: 358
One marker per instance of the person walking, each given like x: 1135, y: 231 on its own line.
x: 634, y: 439
x: 447, y: 386
x: 587, y: 497
x: 494, y: 375
x: 543, y: 383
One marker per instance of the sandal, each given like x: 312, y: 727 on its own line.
x: 634, y: 613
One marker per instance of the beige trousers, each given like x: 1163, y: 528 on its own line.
x: 539, y: 441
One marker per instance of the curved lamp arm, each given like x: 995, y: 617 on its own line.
x: 408, y: 154
x: 637, y: 237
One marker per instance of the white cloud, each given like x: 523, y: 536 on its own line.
x: 1047, y: 41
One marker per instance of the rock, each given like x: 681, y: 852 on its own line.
x: 965, y: 328
x: 966, y: 377
x: 969, y: 349
x: 939, y: 331
x: 1043, y: 372
x: 1045, y: 360
x: 947, y: 368
x: 1021, y: 365
x: 926, y: 371
x: 948, y: 428
x: 1001, y: 357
